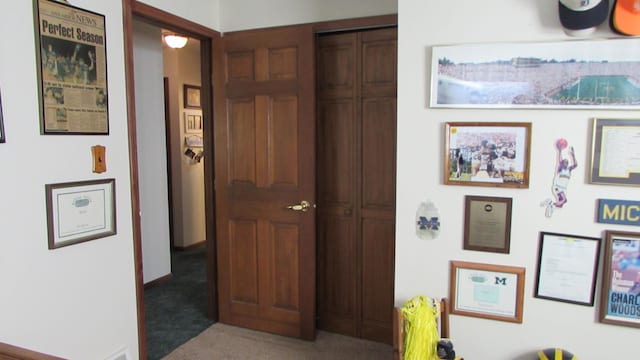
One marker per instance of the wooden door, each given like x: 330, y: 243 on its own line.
x: 265, y: 161
x: 356, y: 182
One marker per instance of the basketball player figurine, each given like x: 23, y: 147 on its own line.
x: 564, y: 167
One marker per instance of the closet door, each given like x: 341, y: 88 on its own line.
x: 356, y: 182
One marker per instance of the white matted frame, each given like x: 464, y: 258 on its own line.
x: 569, y: 74
x: 615, y: 152
x: 80, y: 211
x: 487, y: 291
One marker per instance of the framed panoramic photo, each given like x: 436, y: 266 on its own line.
x: 487, y: 154
x: 80, y: 211
x: 487, y: 291
x: 72, y: 69
x: 191, y: 95
x: 620, y: 291
x: 487, y: 224
x: 615, y: 152
x: 565, y: 74
x: 567, y: 268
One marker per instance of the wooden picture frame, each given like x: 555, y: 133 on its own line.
x: 487, y: 291
x: 620, y: 279
x: 615, y: 148
x: 487, y: 224
x: 72, y: 69
x: 567, y: 268
x: 191, y: 94
x: 494, y: 154
x: 80, y: 211
x: 537, y: 75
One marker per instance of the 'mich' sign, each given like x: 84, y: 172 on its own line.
x: 619, y: 212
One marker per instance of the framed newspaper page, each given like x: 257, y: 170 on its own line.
x: 72, y: 69
x: 620, y: 294
x: 615, y: 152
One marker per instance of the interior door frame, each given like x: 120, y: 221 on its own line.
x: 211, y: 76
x: 209, y: 43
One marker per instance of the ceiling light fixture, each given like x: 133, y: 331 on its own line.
x: 175, y: 41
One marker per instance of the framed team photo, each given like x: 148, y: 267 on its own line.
x: 487, y: 154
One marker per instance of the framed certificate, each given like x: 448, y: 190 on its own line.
x: 567, y: 268
x: 620, y: 292
x: 80, y: 211
x: 615, y: 157
x: 487, y: 224
x: 487, y: 291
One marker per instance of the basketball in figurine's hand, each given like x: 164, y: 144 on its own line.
x: 561, y: 144
x: 555, y: 354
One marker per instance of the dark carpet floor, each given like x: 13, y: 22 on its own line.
x: 176, y: 310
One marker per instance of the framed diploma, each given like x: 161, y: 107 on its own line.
x: 615, y: 156
x: 487, y: 224
x: 487, y: 154
x: 620, y: 292
x: 487, y: 291
x: 567, y: 268
x: 72, y: 69
x: 80, y: 211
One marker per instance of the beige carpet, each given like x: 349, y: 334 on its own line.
x: 228, y: 342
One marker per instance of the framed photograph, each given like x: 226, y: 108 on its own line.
x: 621, y: 279
x: 487, y: 291
x: 193, y: 141
x: 192, y: 97
x: 567, y: 268
x: 487, y: 223
x: 72, y: 69
x: 2, y: 136
x: 80, y: 211
x: 193, y: 122
x: 565, y: 74
x: 615, y: 150
x: 487, y: 154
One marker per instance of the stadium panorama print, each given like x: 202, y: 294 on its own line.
x: 569, y: 74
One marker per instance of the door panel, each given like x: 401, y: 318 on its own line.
x: 356, y: 124
x: 264, y: 162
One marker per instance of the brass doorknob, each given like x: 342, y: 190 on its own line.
x: 303, y: 206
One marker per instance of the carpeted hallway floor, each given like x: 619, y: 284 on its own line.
x: 176, y: 310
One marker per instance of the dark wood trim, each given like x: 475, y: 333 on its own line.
x: 356, y: 24
x: 168, y: 151
x: 189, y: 247
x: 135, y: 9
x: 159, y: 281
x: 133, y: 169
x: 10, y: 352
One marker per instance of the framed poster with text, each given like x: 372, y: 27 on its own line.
x: 72, y: 69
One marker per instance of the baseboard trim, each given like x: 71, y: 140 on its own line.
x: 158, y: 281
x: 11, y: 352
x: 188, y: 247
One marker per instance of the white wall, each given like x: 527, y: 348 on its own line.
x: 203, y: 12
x: 248, y: 14
x: 77, y: 301
x: 182, y: 66
x: 152, y: 158
x: 422, y: 265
